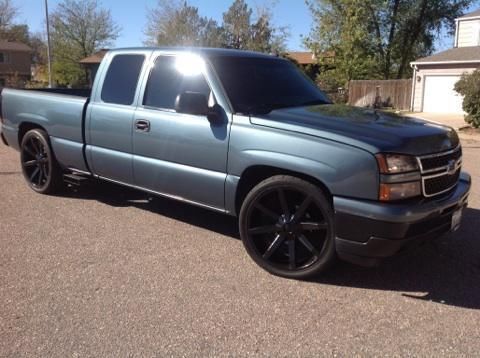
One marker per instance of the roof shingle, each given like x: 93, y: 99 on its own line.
x: 14, y: 46
x: 303, y: 58
x: 95, y: 58
x: 457, y: 55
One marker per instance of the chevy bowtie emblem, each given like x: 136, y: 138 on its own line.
x: 451, y: 167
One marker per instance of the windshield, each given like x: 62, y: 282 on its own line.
x: 260, y: 85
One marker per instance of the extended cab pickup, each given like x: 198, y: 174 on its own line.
x: 249, y: 135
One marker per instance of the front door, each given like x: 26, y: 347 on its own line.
x: 179, y: 155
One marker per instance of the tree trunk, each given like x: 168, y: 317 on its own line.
x: 391, y: 37
x: 410, y: 37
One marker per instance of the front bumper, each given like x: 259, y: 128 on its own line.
x: 367, y: 231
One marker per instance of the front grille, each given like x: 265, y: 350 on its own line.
x: 440, y: 184
x: 440, y: 172
x: 442, y: 160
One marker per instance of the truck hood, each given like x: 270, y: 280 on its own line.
x: 375, y: 131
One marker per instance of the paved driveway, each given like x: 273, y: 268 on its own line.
x: 453, y: 120
x: 108, y: 271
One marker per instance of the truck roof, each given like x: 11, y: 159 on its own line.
x: 204, y: 51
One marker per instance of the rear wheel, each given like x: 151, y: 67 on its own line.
x: 39, y: 166
x: 286, y: 225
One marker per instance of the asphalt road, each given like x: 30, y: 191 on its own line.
x: 107, y: 271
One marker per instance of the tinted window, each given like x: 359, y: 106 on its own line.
x: 121, y: 80
x: 259, y: 85
x: 166, y: 82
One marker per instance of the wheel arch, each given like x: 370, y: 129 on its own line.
x: 255, y: 174
x: 24, y: 127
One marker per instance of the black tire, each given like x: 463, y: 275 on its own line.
x: 39, y: 166
x: 287, y: 227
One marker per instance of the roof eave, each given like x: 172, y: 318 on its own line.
x: 467, y: 18
x: 443, y: 62
x: 16, y: 50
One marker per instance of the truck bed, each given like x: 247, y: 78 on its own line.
x: 77, y: 92
x: 59, y: 111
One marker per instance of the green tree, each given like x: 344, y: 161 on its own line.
x: 18, y: 33
x: 469, y: 88
x: 39, y: 47
x: 237, y: 25
x: 79, y: 28
x: 173, y: 23
x: 379, y: 38
x: 404, y: 30
x: 176, y: 23
x: 9, y: 30
x: 240, y: 31
x: 337, y: 30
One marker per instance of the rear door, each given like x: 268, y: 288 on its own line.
x: 179, y: 155
x: 110, y: 117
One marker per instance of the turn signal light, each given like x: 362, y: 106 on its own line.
x: 399, y: 191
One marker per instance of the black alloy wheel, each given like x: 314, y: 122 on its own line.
x: 39, y: 166
x: 286, y: 225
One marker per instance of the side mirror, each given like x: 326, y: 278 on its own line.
x: 192, y: 103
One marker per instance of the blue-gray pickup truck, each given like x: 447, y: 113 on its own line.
x: 248, y: 135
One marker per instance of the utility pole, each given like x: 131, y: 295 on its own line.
x: 49, y: 47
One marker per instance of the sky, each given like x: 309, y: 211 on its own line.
x: 132, y: 15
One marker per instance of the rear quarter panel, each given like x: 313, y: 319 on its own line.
x: 60, y: 115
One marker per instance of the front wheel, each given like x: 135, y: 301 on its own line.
x: 287, y: 227
x: 39, y: 166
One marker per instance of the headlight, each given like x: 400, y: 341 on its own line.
x: 396, y: 163
x: 399, y: 177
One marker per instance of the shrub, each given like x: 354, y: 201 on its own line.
x: 469, y: 88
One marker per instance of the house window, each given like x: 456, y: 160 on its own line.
x: 4, y: 58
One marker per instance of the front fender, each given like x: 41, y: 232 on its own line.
x: 345, y: 170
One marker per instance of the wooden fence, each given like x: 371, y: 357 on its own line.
x: 380, y: 93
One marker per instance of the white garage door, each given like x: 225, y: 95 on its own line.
x: 439, y: 95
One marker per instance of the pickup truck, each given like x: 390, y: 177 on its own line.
x: 247, y: 134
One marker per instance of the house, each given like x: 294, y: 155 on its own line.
x: 312, y: 63
x: 434, y: 77
x: 93, y: 62
x: 15, y: 64
x: 309, y: 58
x: 302, y: 58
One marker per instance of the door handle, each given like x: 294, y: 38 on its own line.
x: 142, y: 125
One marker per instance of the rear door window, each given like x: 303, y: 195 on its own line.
x: 121, y: 81
x: 166, y: 82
